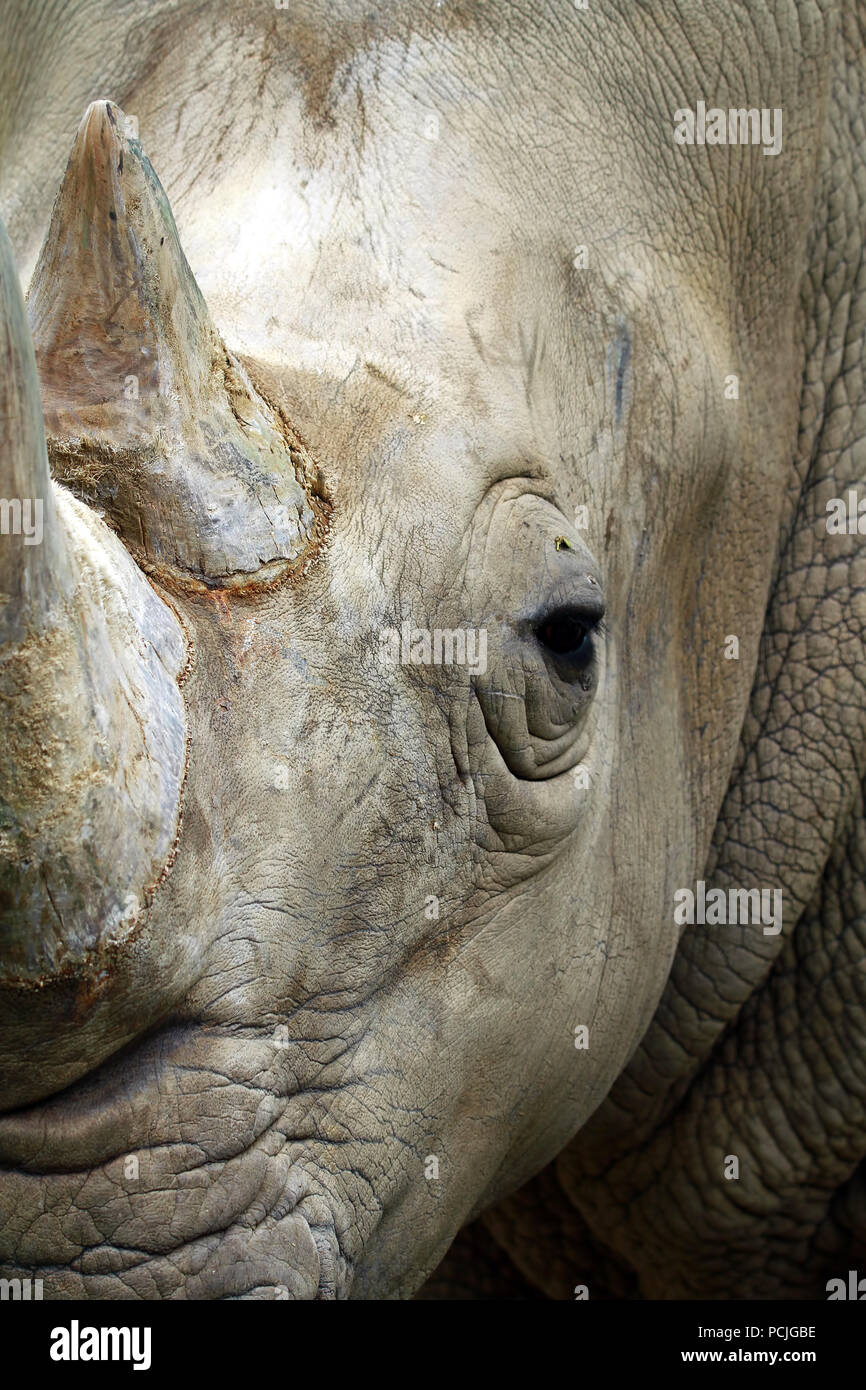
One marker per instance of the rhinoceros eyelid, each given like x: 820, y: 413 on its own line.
x: 571, y: 617
x: 588, y: 608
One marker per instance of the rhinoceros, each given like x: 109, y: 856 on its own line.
x: 432, y: 660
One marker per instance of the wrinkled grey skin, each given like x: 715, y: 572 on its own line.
x: 414, y: 307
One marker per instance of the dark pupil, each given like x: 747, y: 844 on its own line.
x: 562, y: 634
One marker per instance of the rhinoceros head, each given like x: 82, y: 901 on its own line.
x: 361, y: 719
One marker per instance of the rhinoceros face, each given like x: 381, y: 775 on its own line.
x: 384, y: 722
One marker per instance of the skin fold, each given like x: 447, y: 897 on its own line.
x: 454, y: 265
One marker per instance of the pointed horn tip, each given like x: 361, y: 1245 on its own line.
x: 103, y: 120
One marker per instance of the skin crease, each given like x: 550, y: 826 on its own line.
x: 413, y: 305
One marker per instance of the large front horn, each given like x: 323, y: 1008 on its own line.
x: 93, y: 725
x: 147, y: 413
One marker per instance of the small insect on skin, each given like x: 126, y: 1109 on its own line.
x: 562, y: 544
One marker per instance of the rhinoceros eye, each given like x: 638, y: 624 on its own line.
x: 567, y: 636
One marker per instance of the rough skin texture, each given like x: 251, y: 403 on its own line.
x: 293, y: 1033
x: 759, y: 1051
